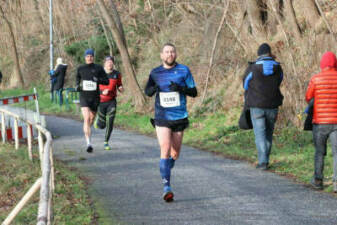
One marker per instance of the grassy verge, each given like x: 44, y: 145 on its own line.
x: 18, y: 173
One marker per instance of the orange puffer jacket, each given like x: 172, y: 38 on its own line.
x: 323, y: 88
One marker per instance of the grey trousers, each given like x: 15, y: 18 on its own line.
x: 321, y: 133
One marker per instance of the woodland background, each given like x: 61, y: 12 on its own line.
x: 215, y: 38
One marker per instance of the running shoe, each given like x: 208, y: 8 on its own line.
x: 90, y: 149
x: 106, y: 146
x: 168, y: 194
x: 317, y: 184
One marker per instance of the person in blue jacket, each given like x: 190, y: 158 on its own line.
x: 171, y: 82
x: 262, y: 82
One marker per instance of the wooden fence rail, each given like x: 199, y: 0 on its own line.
x: 46, y: 182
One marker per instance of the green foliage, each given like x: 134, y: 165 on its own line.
x: 98, y: 43
x: 141, y: 5
x: 127, y: 118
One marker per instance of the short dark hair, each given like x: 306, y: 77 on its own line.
x: 109, y: 58
x: 168, y: 44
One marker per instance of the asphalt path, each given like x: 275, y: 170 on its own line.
x: 209, y: 189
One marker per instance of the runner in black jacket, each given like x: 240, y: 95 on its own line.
x: 88, y: 78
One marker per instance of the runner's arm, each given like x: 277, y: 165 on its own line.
x: 151, y: 87
x: 190, y: 88
x: 192, y: 92
x: 78, y: 80
x: 102, y: 78
x: 119, y: 83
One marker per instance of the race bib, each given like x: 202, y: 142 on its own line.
x: 169, y: 99
x: 89, y: 85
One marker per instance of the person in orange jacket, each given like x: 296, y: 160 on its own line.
x: 107, y: 107
x: 323, y: 88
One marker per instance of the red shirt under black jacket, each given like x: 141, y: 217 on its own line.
x: 115, y: 81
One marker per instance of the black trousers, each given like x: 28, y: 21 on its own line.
x: 106, y: 116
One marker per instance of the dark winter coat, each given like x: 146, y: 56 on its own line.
x: 262, y: 82
x: 59, y: 75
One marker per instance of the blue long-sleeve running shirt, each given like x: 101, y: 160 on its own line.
x: 170, y: 105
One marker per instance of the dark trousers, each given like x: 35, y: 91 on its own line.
x: 321, y: 133
x: 106, y: 116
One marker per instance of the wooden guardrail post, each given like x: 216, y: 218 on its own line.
x: 16, y: 133
x: 45, y: 193
x: 40, y: 141
x: 52, y: 174
x: 3, y: 127
x: 29, y: 141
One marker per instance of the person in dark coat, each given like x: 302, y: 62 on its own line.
x: 58, y: 78
x: 262, y: 82
x: 0, y: 77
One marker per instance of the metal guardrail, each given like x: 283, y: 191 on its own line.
x: 46, y: 182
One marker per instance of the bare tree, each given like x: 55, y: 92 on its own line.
x: 291, y: 18
x: 17, y: 79
x: 254, y: 15
x: 310, y: 12
x: 226, y: 4
x: 137, y: 93
x: 106, y: 34
x: 325, y: 20
x: 117, y: 20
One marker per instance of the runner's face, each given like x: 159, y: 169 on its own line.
x: 109, y: 65
x: 89, y: 59
x: 168, y: 56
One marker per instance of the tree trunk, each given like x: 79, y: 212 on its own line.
x: 117, y: 21
x: 37, y: 12
x: 310, y: 12
x: 106, y: 34
x: 17, y: 79
x: 254, y: 15
x: 210, y: 65
x: 242, y: 28
x: 271, y: 17
x: 325, y: 20
x: 137, y: 93
x: 291, y: 18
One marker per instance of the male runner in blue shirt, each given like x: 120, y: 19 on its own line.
x: 171, y: 82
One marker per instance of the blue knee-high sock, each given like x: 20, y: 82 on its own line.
x: 172, y: 161
x: 165, y: 171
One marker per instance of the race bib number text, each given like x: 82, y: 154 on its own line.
x: 89, y: 85
x: 169, y: 99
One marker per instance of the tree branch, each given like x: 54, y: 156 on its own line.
x: 213, y: 49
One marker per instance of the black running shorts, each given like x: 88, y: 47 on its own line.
x: 174, y: 125
x: 91, y: 102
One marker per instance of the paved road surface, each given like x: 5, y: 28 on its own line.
x: 209, y: 190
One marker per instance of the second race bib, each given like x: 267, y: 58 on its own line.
x: 89, y: 85
x: 169, y: 99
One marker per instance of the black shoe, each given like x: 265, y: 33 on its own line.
x: 262, y: 166
x: 317, y: 184
x: 90, y: 149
